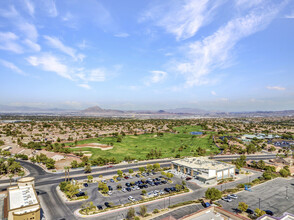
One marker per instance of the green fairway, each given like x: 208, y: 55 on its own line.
x: 170, y: 144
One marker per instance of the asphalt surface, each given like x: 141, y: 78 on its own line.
x: 271, y: 194
x: 54, y: 208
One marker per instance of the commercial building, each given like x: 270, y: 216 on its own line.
x: 23, y: 203
x: 215, y: 213
x: 203, y: 169
x: 285, y: 216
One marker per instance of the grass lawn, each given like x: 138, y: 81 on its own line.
x: 139, y: 146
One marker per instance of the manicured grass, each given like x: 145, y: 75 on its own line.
x: 139, y: 146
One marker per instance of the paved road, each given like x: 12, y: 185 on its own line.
x: 248, y: 157
x: 272, y: 195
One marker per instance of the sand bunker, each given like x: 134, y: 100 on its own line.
x: 96, y: 145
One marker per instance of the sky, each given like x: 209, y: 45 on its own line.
x: 220, y: 55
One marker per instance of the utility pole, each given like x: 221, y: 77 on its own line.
x: 169, y: 201
x: 287, y: 192
x: 259, y: 203
x: 164, y: 203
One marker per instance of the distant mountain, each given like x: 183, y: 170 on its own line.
x: 26, y: 109
x: 98, y: 110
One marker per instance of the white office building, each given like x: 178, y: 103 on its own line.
x: 203, y: 169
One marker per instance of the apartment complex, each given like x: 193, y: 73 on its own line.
x: 23, y: 203
x: 203, y: 169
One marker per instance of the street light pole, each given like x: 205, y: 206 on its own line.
x: 287, y: 192
x: 259, y: 203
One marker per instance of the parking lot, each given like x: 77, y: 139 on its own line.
x: 122, y: 196
x: 276, y: 195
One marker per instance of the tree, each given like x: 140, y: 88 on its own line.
x: 90, y: 178
x: 131, y: 213
x: 74, y: 164
x: 143, y: 210
x: 267, y: 175
x: 149, y: 167
x: 120, y: 173
x: 50, y: 163
x: 156, y: 166
x: 71, y: 190
x: 284, y: 172
x: 144, y: 191
x: 103, y: 187
x: 10, y: 178
x: 88, y: 169
x: 131, y: 171
x: 259, y: 212
x: 260, y: 164
x: 178, y: 187
x: 242, y: 206
x: 213, y: 194
x: 142, y: 169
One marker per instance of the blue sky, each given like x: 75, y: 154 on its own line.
x: 148, y: 54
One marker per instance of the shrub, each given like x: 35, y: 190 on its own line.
x: 213, y: 194
x: 155, y: 211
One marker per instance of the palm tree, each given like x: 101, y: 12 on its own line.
x: 10, y: 178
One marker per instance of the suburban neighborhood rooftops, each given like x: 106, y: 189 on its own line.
x: 202, y: 162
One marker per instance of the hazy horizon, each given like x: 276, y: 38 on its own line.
x: 148, y: 55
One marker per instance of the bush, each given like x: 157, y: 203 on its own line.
x: 213, y: 194
x: 242, y: 206
x: 155, y: 211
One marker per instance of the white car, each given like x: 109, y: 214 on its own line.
x: 124, y: 190
x: 227, y: 199
x: 109, y: 193
x: 131, y: 198
x: 233, y: 196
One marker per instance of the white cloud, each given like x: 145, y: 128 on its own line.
x: 50, y: 63
x: 67, y: 17
x: 85, y: 86
x: 290, y: 16
x: 8, y: 42
x: 56, y: 43
x: 123, y: 35
x: 156, y: 77
x: 32, y: 45
x: 182, y: 18
x: 30, y: 6
x: 83, y: 45
x: 96, y: 75
x: 213, y: 93
x: 9, y: 13
x: 248, y: 3
x: 213, y: 52
x: 11, y: 66
x: 28, y: 29
x: 279, y: 88
x: 51, y: 7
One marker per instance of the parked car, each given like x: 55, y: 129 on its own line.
x: 188, y: 178
x: 128, y: 184
x: 86, y: 185
x: 110, y: 188
x: 233, y: 196
x: 131, y: 198
x: 103, y: 181
x: 107, y: 204
x: 109, y: 193
x: 138, y: 175
x: 112, y: 180
x: 128, y: 189
x: 126, y: 177
x: 124, y: 190
x: 99, y: 207
x: 167, y: 189
x: 269, y: 212
x: 79, y: 194
x: 227, y: 199
x: 250, y: 211
x: 118, y: 179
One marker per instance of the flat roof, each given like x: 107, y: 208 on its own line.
x: 203, y: 163
x: 22, y: 196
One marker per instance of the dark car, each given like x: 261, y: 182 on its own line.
x: 126, y: 177
x: 128, y: 184
x: 163, y: 181
x: 107, y: 204
x: 99, y: 207
x: 137, y: 175
x: 88, y: 171
x: 110, y: 188
x: 128, y: 189
x: 111, y: 180
x: 269, y: 212
x: 167, y: 189
x: 250, y: 211
x: 86, y: 185
x: 188, y: 178
x: 118, y: 179
x: 80, y: 194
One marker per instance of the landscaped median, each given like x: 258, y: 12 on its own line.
x: 68, y: 192
x: 89, y: 210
